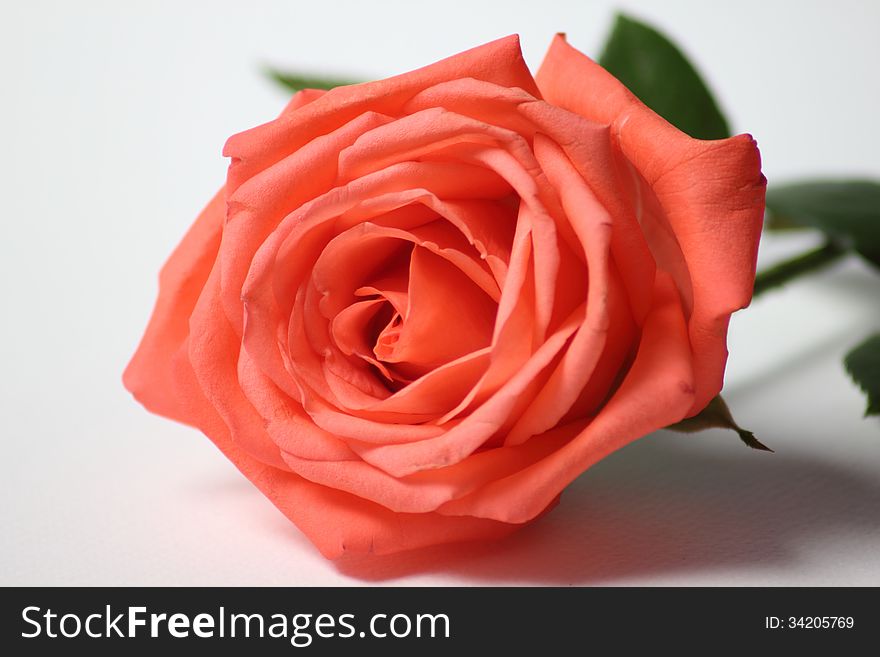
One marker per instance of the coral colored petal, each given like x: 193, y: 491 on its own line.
x: 513, y: 339
x: 302, y: 98
x: 181, y: 281
x: 352, y: 327
x: 484, y: 101
x: 360, y: 255
x: 590, y: 148
x: 461, y: 440
x: 213, y: 352
x: 426, y: 491
x: 499, y: 62
x: 448, y: 315
x: 257, y: 208
x: 592, y: 225
x: 285, y: 421
x: 657, y: 391
x: 437, y: 391
x: 710, y: 191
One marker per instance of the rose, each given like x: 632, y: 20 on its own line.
x: 423, y: 306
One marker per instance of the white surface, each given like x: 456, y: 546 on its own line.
x: 113, y: 117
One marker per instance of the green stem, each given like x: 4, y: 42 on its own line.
x: 797, y: 266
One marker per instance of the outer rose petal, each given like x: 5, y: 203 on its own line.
x: 500, y: 62
x: 716, y: 219
x: 181, y: 280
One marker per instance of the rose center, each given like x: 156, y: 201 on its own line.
x: 412, y: 308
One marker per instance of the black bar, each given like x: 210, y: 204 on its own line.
x: 513, y: 620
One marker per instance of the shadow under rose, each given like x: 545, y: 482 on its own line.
x: 663, y: 505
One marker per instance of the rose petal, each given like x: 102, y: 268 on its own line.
x: 513, y: 339
x: 302, y: 98
x: 181, y: 280
x: 213, y: 353
x: 349, y: 260
x: 352, y: 326
x: 286, y: 423
x: 484, y: 101
x: 716, y: 218
x: 256, y: 208
x: 425, y: 491
x: 657, y: 391
x: 590, y: 148
x: 440, y: 295
x: 462, y: 439
x: 254, y: 150
x: 434, y: 393
x: 592, y: 225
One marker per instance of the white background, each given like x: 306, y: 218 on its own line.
x: 112, y: 118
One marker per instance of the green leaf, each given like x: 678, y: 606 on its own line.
x: 656, y: 71
x: 863, y: 365
x: 297, y: 82
x: 847, y: 211
x: 717, y: 415
x: 805, y: 263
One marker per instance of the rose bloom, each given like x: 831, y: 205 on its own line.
x: 422, y: 306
